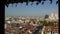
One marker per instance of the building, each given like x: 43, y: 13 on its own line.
x: 56, y: 28
x: 54, y: 17
x: 52, y: 29
x: 48, y: 29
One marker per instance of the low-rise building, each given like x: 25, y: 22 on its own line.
x: 48, y: 29
x: 56, y: 28
x: 52, y: 29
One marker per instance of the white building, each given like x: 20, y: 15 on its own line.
x: 53, y: 17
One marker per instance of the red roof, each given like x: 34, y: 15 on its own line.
x: 29, y: 27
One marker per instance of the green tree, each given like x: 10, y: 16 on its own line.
x: 45, y: 23
x: 50, y: 23
x: 46, y: 16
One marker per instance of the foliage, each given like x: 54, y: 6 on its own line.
x: 45, y: 23
x: 46, y: 16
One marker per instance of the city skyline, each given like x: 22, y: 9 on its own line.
x: 31, y: 10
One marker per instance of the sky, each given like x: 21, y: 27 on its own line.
x: 31, y: 10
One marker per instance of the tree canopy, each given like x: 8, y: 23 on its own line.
x: 46, y: 16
